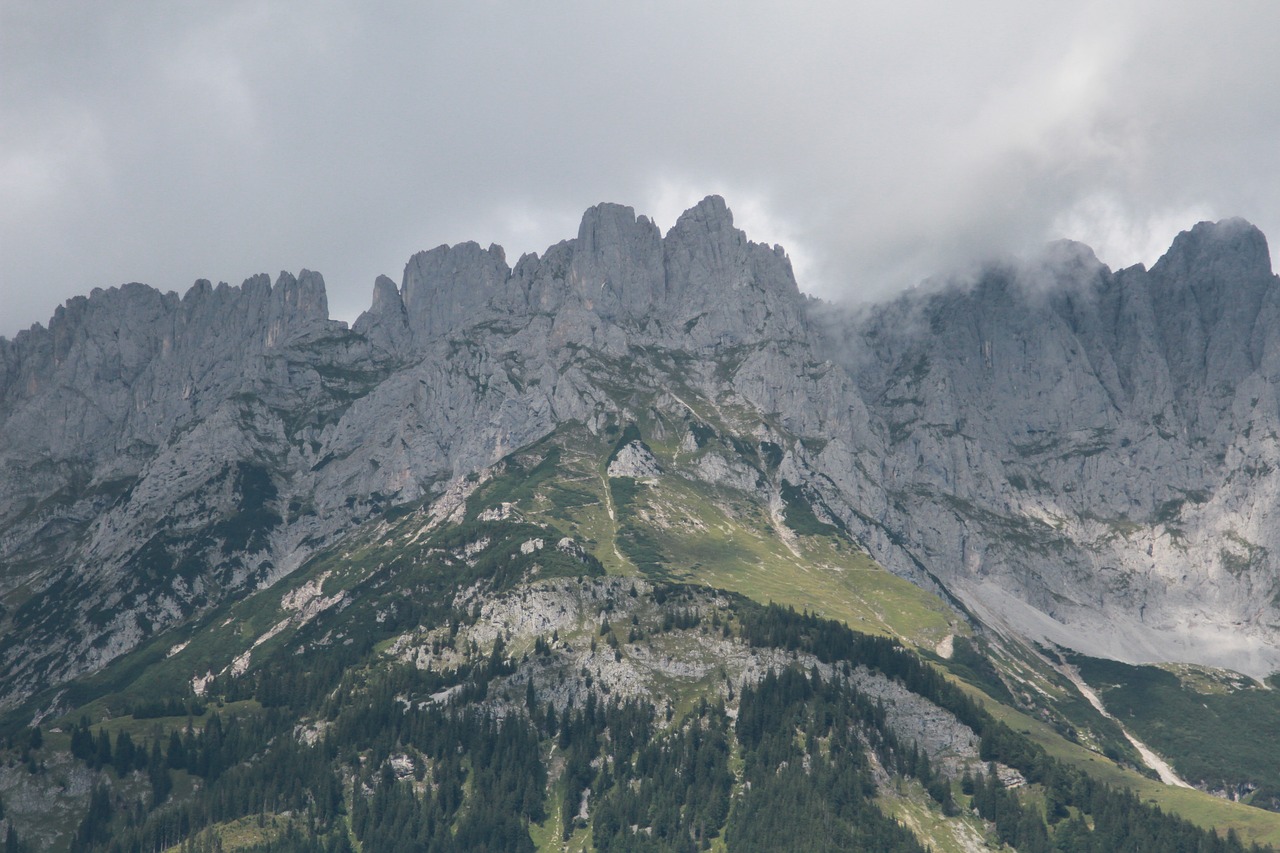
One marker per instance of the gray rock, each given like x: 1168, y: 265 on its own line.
x: 1088, y: 456
x: 450, y: 287
x: 634, y: 460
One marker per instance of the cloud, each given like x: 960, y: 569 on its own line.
x: 879, y: 144
x: 1121, y: 237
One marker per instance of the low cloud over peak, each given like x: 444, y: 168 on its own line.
x: 878, y: 146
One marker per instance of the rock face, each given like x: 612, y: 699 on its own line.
x: 1090, y: 456
x: 1080, y: 454
x: 634, y: 460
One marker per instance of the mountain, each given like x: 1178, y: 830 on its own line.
x: 1095, y: 447
x: 161, y: 453
x: 228, y: 497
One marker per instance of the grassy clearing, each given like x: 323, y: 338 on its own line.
x: 867, y: 599
x: 907, y: 802
x: 242, y: 833
x: 148, y: 727
x: 547, y: 836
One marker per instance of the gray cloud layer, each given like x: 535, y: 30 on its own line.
x: 880, y: 143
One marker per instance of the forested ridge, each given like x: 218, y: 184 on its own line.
x: 376, y: 760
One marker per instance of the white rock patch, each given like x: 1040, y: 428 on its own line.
x: 634, y: 460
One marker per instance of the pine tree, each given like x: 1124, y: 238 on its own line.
x: 124, y: 755
x: 93, y: 829
x: 102, y: 754
x: 176, y: 755
x: 159, y: 776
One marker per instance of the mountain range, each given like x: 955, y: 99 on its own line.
x: 1023, y: 473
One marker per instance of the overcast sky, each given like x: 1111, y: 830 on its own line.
x: 880, y: 143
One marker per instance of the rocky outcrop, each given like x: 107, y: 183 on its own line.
x: 634, y: 460
x: 450, y: 287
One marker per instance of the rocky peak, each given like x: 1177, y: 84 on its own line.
x: 295, y: 303
x: 710, y: 216
x: 724, y: 289
x: 1215, y: 303
x: 1221, y: 266
x: 386, y: 323
x: 386, y: 298
x: 1230, y: 247
x: 704, y: 283
x: 703, y: 249
x: 257, y: 313
x: 449, y: 287
x: 617, y: 263
x: 107, y: 335
x: 303, y: 297
x: 1068, y: 264
x: 133, y: 355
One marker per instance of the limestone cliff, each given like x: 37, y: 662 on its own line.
x: 1090, y: 455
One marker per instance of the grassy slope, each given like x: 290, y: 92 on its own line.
x: 721, y: 537
x: 1252, y: 825
x: 907, y: 801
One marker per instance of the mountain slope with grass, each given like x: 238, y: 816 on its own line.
x: 462, y: 673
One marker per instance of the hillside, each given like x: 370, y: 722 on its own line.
x: 462, y: 674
